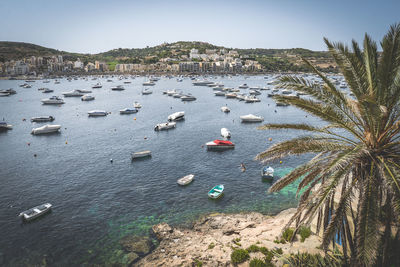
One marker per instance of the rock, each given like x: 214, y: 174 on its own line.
x: 139, y: 245
x: 130, y: 258
x: 230, y: 232
x: 162, y: 230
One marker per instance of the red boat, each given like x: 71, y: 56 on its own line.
x: 220, y: 144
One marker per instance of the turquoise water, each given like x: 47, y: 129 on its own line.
x: 96, y: 202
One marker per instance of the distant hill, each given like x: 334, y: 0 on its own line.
x: 18, y: 50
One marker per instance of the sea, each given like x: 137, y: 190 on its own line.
x: 99, y: 195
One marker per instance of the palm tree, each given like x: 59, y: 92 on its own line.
x: 352, y: 184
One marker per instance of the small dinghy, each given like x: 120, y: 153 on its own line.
x: 48, y: 128
x: 225, y: 133
x: 225, y: 109
x: 186, y: 179
x: 141, y: 154
x: 35, y: 212
x: 220, y: 145
x: 176, y: 116
x: 42, y: 119
x: 128, y: 111
x: 164, y: 126
x: 267, y: 173
x: 216, y: 191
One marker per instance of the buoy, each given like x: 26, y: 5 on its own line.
x: 145, y: 137
x: 111, y: 160
x: 28, y: 144
x: 66, y: 142
x: 134, y: 118
x: 280, y: 162
x: 270, y: 139
x: 34, y: 155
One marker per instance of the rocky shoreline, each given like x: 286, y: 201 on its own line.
x: 212, y: 239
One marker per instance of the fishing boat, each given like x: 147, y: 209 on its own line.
x: 267, y: 173
x: 180, y: 115
x: 220, y: 145
x: 186, y: 179
x: 35, y: 212
x: 42, y: 119
x: 54, y: 100
x: 225, y: 109
x: 48, y: 128
x: 87, y: 98
x: 251, y: 118
x: 225, y: 133
x: 140, y: 154
x: 128, y: 111
x: 5, y: 126
x: 73, y: 93
x: 216, y: 191
x: 164, y: 126
x: 118, y: 88
x: 97, y: 113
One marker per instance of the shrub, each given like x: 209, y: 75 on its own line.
x: 239, y: 256
x: 211, y: 246
x: 278, y: 251
x: 198, y: 263
x: 257, y: 263
x: 268, y: 256
x: 287, y: 234
x: 307, y: 259
x: 304, y: 232
x: 263, y: 250
x: 253, y: 248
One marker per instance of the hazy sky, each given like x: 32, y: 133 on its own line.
x: 93, y: 26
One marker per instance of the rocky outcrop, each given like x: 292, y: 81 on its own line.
x: 213, y: 238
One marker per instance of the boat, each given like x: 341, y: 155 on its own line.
x: 180, y: 115
x: 56, y: 82
x: 241, y: 97
x: 5, y: 126
x: 87, y: 98
x: 219, y: 93
x: 178, y: 95
x: 54, y: 100
x: 251, y: 99
x: 225, y: 109
x: 186, y: 179
x: 8, y: 91
x: 171, y: 92
x: 97, y: 85
x: 35, y: 212
x: 137, y: 105
x: 84, y: 91
x: 48, y: 128
x: 202, y: 83
x: 188, y: 98
x: 243, y: 86
x: 286, y: 92
x: 47, y: 90
x: 231, y: 95
x: 251, y: 118
x: 46, y: 81
x: 220, y: 145
x: 42, y: 119
x: 127, y: 82
x: 73, y: 93
x: 128, y: 111
x: 97, y: 113
x: 216, y: 191
x: 164, y: 126
x: 118, y: 88
x: 225, y: 133
x: 281, y: 104
x: 267, y: 173
x: 146, y: 92
x: 148, y: 83
x: 140, y: 154
x: 4, y: 94
x: 254, y: 92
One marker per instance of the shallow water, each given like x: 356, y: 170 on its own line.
x: 96, y: 202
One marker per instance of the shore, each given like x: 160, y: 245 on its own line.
x: 212, y: 239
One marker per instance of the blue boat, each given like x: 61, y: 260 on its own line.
x: 216, y: 191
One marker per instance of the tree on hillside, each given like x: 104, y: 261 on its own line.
x: 352, y: 184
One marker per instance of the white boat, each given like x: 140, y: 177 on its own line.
x: 219, y: 145
x: 219, y: 93
x: 141, y: 154
x: 180, y: 115
x: 149, y: 83
x: 87, y: 98
x: 251, y: 99
x: 164, y: 126
x: 267, y: 173
x: 8, y: 91
x: 5, y: 126
x: 47, y: 90
x: 241, y: 97
x: 73, y: 93
x: 97, y: 113
x: 243, y: 86
x: 137, y: 105
x: 202, y: 83
x: 186, y: 179
x: 35, y: 212
x: 146, y: 92
x: 225, y: 109
x: 48, y: 128
x: 254, y: 92
x: 128, y: 111
x: 251, y: 118
x: 118, y: 88
x: 84, y: 91
x: 230, y: 95
x: 97, y: 85
x: 171, y: 92
x: 188, y: 98
x: 54, y: 100
x: 225, y: 133
x: 42, y: 119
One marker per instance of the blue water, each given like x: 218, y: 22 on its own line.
x: 96, y: 202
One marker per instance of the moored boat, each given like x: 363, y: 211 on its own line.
x: 225, y: 109
x: 216, y: 191
x: 73, y: 93
x: 87, y: 98
x: 186, y: 179
x: 5, y: 126
x: 54, y: 100
x: 42, y: 119
x: 225, y: 133
x: 48, y: 128
x: 146, y: 92
x: 35, y: 212
x: 137, y: 105
x: 243, y: 86
x: 267, y: 173
x: 128, y: 111
x: 118, y: 88
x: 251, y: 118
x: 97, y: 113
x: 180, y: 115
x: 140, y: 154
x: 219, y: 145
x: 97, y: 85
x: 148, y: 83
x: 164, y: 126
x: 188, y: 98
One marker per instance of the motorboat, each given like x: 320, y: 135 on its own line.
x: 146, y: 92
x: 128, y: 111
x: 251, y: 118
x: 35, y: 212
x: 254, y: 88
x: 97, y: 113
x: 219, y: 93
x: 286, y: 92
x: 177, y: 95
x: 5, y: 126
x: 254, y: 92
x: 42, y: 119
x: 84, y: 91
x: 97, y: 85
x: 8, y: 91
x: 54, y: 100
x: 186, y: 179
x: 56, y: 82
x: 241, y: 97
x: 47, y: 90
x: 73, y: 93
x: 126, y: 82
x: 267, y: 173
x: 188, y: 98
x: 220, y: 145
x: 118, y: 88
x: 137, y: 105
x: 251, y: 99
x: 180, y: 115
x: 225, y: 109
x: 148, y: 83
x: 48, y: 128
x: 141, y: 154
x: 202, y: 83
x: 154, y: 79
x: 164, y: 126
x: 171, y: 92
x: 216, y: 191
x: 230, y: 95
x: 46, y: 81
x: 243, y: 86
x: 225, y: 133
x: 109, y: 80
x: 87, y: 98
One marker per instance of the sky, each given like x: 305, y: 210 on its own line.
x: 93, y: 26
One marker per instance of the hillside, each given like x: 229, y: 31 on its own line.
x: 18, y: 50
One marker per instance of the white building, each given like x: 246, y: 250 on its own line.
x: 21, y: 68
x: 194, y: 53
x: 78, y: 64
